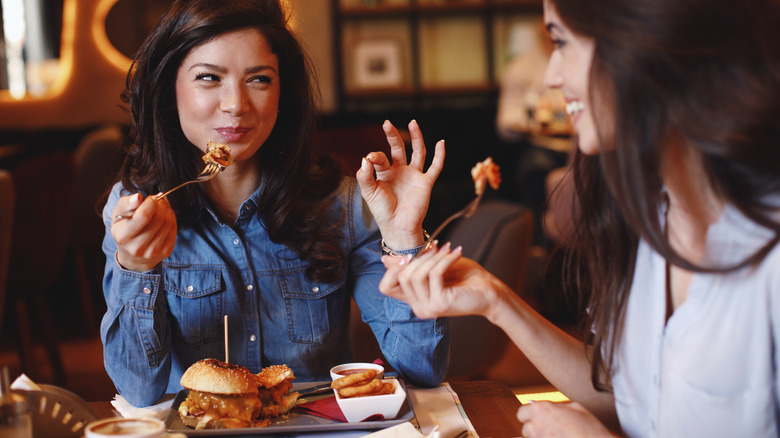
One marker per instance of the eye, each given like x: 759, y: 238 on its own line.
x: 265, y: 79
x: 558, y: 43
x: 209, y: 77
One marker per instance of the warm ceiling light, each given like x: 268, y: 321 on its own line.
x: 14, y: 28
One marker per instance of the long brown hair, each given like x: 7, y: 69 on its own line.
x: 707, y: 71
x: 294, y: 185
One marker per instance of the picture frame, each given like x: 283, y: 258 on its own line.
x: 378, y: 63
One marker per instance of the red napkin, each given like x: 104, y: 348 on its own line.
x: 329, y: 408
x: 326, y: 407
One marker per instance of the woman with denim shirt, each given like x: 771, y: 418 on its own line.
x: 279, y: 241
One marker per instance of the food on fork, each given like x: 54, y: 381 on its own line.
x: 485, y: 171
x: 226, y: 396
x: 218, y: 153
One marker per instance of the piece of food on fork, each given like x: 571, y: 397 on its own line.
x: 485, y: 171
x: 218, y: 153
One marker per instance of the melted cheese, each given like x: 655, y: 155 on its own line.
x: 242, y: 407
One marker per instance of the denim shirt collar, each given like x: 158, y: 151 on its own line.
x: 250, y: 206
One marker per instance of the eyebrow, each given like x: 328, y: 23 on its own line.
x: 249, y: 70
x: 551, y: 26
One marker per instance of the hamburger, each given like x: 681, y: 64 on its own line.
x: 227, y: 396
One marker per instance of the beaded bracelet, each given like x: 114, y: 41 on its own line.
x: 402, y: 252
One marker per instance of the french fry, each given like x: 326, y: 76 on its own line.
x: 360, y: 390
x: 353, y: 379
x: 387, y: 388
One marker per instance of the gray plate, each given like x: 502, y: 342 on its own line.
x: 296, y: 422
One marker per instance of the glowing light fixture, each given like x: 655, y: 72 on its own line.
x: 14, y: 29
x: 101, y: 39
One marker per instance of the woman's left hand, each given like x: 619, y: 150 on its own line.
x: 547, y: 419
x: 399, y: 195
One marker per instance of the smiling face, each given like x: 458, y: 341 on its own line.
x: 227, y: 91
x: 569, y: 71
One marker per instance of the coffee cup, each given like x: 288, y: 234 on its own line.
x: 125, y: 428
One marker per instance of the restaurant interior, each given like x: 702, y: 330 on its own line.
x: 440, y: 62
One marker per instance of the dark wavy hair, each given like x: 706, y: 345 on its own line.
x: 295, y: 185
x: 704, y: 71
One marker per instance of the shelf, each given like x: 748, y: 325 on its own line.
x: 371, y: 93
x: 378, y: 11
x: 436, y: 7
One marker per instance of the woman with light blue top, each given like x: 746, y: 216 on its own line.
x: 672, y: 250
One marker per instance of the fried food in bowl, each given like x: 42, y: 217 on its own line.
x: 360, y: 407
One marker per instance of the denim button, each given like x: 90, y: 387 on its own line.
x: 190, y: 288
x: 253, y: 338
x: 236, y: 242
x: 147, y: 291
x: 315, y: 289
x: 249, y: 287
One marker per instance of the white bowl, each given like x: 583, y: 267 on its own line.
x: 334, y: 372
x: 357, y: 409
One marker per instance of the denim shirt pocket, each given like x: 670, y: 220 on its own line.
x: 195, y: 302
x: 313, y: 309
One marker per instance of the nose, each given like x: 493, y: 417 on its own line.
x: 552, y: 75
x: 234, y: 100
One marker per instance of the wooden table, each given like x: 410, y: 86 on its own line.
x: 490, y: 406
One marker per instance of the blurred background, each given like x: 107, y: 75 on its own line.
x: 466, y: 70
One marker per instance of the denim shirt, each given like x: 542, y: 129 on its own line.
x: 160, y: 322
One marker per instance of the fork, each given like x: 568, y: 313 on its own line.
x: 466, y: 212
x: 210, y: 171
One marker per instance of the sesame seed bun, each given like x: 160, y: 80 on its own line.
x: 217, y: 377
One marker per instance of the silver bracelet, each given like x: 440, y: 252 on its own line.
x: 402, y: 252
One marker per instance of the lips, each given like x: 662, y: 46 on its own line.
x: 232, y: 134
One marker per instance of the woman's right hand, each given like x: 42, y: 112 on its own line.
x: 147, y: 236
x: 440, y: 282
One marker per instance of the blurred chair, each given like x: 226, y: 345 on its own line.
x: 44, y: 187
x: 97, y: 159
x: 498, y: 236
x: 6, y: 226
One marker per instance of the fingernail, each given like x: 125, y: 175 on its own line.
x: 406, y: 259
x: 458, y: 249
x: 135, y: 200
x: 446, y: 247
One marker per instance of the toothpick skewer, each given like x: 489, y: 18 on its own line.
x: 227, y: 355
